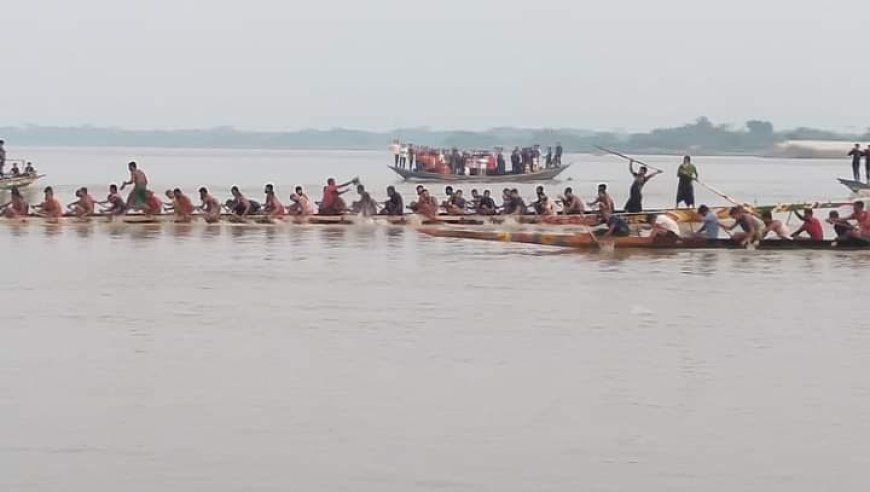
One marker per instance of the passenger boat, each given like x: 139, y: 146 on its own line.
x: 855, y: 186
x: 22, y: 181
x: 586, y: 240
x: 542, y: 175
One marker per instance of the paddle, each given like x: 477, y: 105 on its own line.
x: 705, y: 185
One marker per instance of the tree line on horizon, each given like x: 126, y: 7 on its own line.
x: 700, y: 136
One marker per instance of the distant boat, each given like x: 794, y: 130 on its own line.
x: 543, y: 175
x: 22, y: 181
x: 855, y: 186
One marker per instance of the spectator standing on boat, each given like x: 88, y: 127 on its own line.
x: 548, y: 160
x: 410, y: 156
x: 516, y: 162
x: 557, y: 158
x: 687, y: 173
x: 635, y: 196
x: 867, y: 163
x: 500, y: 164
x: 137, y: 198
x: 403, y: 156
x: 856, y: 161
x: 2, y: 156
x: 395, y: 148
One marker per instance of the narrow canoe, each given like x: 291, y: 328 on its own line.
x: 587, y: 241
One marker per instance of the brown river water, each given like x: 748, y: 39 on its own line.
x: 370, y: 358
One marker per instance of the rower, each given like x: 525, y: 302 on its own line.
x: 486, y: 205
x: 663, y: 227
x: 861, y: 230
x: 153, y: 204
x: 137, y: 198
x: 687, y: 173
x: 332, y: 203
x: 301, y: 203
x: 413, y: 205
x: 752, y: 227
x: 810, y: 225
x: 841, y: 228
x: 240, y: 205
x: 571, y: 203
x: 641, y: 176
x: 456, y: 204
x: 474, y: 203
x: 211, y: 208
x: 366, y: 206
x: 448, y: 191
x: 273, y: 206
x: 616, y: 225
x: 775, y: 226
x: 50, y: 206
x: 16, y: 207
x: 541, y: 206
x: 709, y: 223
x: 603, y: 199
x: 84, y: 206
x: 856, y: 155
x: 516, y: 205
x: 394, y: 204
x: 427, y: 205
x: 182, y: 205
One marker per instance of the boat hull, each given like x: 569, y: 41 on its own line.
x: 855, y: 186
x: 544, y: 175
x: 587, y: 241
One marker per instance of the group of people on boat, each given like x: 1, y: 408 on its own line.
x: 474, y: 162
x: 15, y: 171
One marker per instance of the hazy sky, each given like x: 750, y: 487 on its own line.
x: 379, y: 64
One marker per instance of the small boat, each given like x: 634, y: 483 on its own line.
x: 542, y: 175
x: 22, y: 181
x: 855, y: 186
x: 586, y: 240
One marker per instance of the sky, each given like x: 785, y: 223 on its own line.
x: 446, y: 64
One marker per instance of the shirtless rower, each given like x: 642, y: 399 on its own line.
x: 153, y: 204
x: 50, y: 206
x: 427, y: 205
x: 182, y: 206
x: 301, y: 203
x: 571, y: 203
x: 211, y: 208
x: 84, y: 206
x: 273, y: 205
x: 137, y: 198
x: 775, y: 226
x: 117, y: 205
x: 751, y: 225
x: 331, y: 203
x: 16, y: 207
x: 603, y: 199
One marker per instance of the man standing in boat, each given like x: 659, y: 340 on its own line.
x: 2, y: 157
x: 557, y: 158
x: 137, y: 198
x: 635, y: 197
x: 867, y: 163
x: 856, y: 155
x: 687, y: 173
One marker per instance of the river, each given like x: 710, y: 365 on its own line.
x: 370, y: 358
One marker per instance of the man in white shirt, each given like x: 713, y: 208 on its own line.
x: 394, y: 149
x: 664, y: 226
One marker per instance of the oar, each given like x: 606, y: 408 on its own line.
x: 705, y: 185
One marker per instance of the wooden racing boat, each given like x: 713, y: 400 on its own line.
x: 586, y: 240
x: 22, y: 181
x: 542, y: 175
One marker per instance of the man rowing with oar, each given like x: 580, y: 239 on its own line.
x: 861, y: 217
x: 210, y: 206
x: 571, y: 203
x: 240, y: 205
x: 50, y: 206
x: 663, y: 227
x: 603, y: 200
x: 394, y: 204
x: 331, y: 203
x: 137, y: 198
x: 635, y: 196
x: 752, y: 226
x: 117, y: 205
x: 16, y: 207
x: 84, y: 206
x: 616, y: 225
x: 182, y: 206
x: 687, y: 173
x: 273, y: 205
